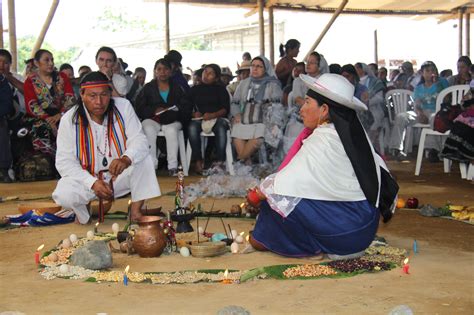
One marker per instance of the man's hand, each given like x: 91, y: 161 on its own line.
x: 102, y: 189
x: 119, y: 165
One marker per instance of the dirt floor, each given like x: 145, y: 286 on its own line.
x: 441, y: 279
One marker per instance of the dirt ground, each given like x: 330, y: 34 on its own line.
x: 441, y: 279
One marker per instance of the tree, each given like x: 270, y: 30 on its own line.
x: 114, y: 20
x: 26, y: 43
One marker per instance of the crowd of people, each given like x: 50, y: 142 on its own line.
x: 259, y: 106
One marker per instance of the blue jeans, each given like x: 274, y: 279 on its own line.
x: 219, y: 129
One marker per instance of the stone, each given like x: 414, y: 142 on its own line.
x: 233, y: 310
x: 95, y: 255
x: 430, y: 211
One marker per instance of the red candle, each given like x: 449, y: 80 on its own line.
x: 37, y: 254
x: 406, y: 266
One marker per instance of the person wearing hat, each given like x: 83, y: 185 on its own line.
x: 332, y: 187
x: 226, y: 75
x: 210, y: 102
x: 407, y: 79
x: 102, y: 133
x: 174, y: 57
x: 242, y: 72
x: 424, y: 98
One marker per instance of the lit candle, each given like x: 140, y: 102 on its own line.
x: 129, y: 211
x: 37, y: 254
x: 406, y: 266
x: 96, y: 228
x: 247, y: 238
x: 226, y: 280
x: 125, y: 278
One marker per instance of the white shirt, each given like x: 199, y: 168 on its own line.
x: 67, y: 163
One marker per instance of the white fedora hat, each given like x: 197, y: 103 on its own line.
x: 336, y: 88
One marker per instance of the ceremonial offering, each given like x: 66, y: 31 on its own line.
x: 37, y: 254
x: 208, y: 249
x: 149, y: 240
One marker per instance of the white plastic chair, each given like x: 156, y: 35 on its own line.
x: 401, y: 101
x: 457, y: 92
x: 228, y: 151
x: 181, y: 151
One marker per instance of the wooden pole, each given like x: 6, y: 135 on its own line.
x: 261, y: 23
x: 1, y: 25
x: 44, y: 30
x: 468, y: 34
x: 12, y: 34
x: 271, y: 35
x: 460, y: 26
x: 326, y: 29
x: 376, y: 48
x: 167, y: 26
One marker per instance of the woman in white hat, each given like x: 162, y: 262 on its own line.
x: 331, y: 187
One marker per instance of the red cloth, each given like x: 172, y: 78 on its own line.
x: 305, y: 133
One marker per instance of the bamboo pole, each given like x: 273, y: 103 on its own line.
x: 1, y: 25
x: 376, y: 47
x: 261, y: 24
x: 468, y: 34
x: 44, y: 29
x: 271, y: 35
x: 328, y: 26
x: 460, y: 27
x: 167, y: 26
x: 12, y: 34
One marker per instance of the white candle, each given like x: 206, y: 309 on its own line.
x: 234, y: 248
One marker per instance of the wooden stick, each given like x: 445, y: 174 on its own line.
x: 207, y: 222
x: 230, y: 231
x: 225, y: 230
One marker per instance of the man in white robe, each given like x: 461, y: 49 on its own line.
x: 116, y: 145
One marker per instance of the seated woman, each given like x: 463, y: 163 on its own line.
x: 48, y: 94
x: 158, y: 95
x: 253, y: 105
x: 329, y: 190
x: 211, y: 104
x: 424, y: 96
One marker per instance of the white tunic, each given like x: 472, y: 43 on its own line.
x: 74, y: 188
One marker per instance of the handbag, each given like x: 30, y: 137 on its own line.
x: 444, y: 118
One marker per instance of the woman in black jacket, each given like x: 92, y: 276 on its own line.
x: 161, y: 106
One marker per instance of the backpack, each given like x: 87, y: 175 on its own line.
x: 443, y: 120
x: 38, y: 166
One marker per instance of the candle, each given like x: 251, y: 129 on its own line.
x: 37, y: 254
x: 96, y: 228
x: 247, y: 238
x: 129, y: 212
x: 406, y: 266
x: 125, y: 278
x: 415, y: 247
x: 226, y: 280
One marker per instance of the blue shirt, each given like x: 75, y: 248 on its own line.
x: 428, y: 95
x: 164, y: 95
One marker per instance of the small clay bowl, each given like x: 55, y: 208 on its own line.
x: 122, y: 236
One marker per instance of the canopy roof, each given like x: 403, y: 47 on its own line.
x: 372, y: 7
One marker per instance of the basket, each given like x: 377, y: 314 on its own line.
x: 94, y: 207
x: 208, y: 249
x: 43, y: 207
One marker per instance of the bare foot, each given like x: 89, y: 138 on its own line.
x: 135, y: 209
x: 248, y: 249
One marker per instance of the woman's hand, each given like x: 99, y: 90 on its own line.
x: 237, y: 119
x: 117, y: 166
x: 208, y: 116
x: 53, y: 120
x: 197, y: 115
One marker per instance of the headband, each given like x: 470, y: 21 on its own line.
x: 94, y: 84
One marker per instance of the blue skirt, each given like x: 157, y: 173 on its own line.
x: 315, y: 226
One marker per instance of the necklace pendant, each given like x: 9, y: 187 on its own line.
x: 104, y: 162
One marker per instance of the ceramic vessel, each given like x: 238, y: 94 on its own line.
x: 149, y: 240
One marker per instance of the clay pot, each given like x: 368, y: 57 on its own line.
x: 149, y: 240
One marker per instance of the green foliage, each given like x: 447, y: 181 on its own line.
x: 114, y: 20
x: 194, y: 43
x: 25, y: 45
